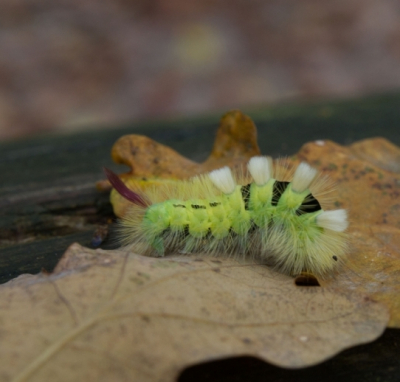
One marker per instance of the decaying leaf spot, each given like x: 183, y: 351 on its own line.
x: 113, y: 315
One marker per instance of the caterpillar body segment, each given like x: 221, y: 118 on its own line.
x: 263, y: 218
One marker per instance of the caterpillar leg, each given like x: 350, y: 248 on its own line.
x: 158, y: 245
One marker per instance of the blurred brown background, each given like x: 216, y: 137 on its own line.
x: 70, y: 64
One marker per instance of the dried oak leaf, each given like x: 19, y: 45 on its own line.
x: 367, y: 174
x: 152, y: 162
x: 116, y: 316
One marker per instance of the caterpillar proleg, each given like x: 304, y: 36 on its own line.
x: 254, y: 214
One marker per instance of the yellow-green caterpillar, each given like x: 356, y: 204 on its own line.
x: 253, y: 215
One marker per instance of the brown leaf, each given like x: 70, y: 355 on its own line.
x: 367, y: 174
x: 235, y: 142
x: 152, y: 162
x: 110, y: 315
x: 148, y: 158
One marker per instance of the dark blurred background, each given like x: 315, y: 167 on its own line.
x: 69, y: 64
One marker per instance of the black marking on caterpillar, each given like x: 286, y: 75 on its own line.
x: 278, y: 190
x: 214, y: 204
x: 198, y: 206
x: 245, y: 190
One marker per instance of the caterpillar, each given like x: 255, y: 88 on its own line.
x: 240, y: 214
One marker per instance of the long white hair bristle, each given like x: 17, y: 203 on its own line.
x: 223, y: 180
x: 260, y: 169
x: 303, y: 176
x: 334, y: 220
